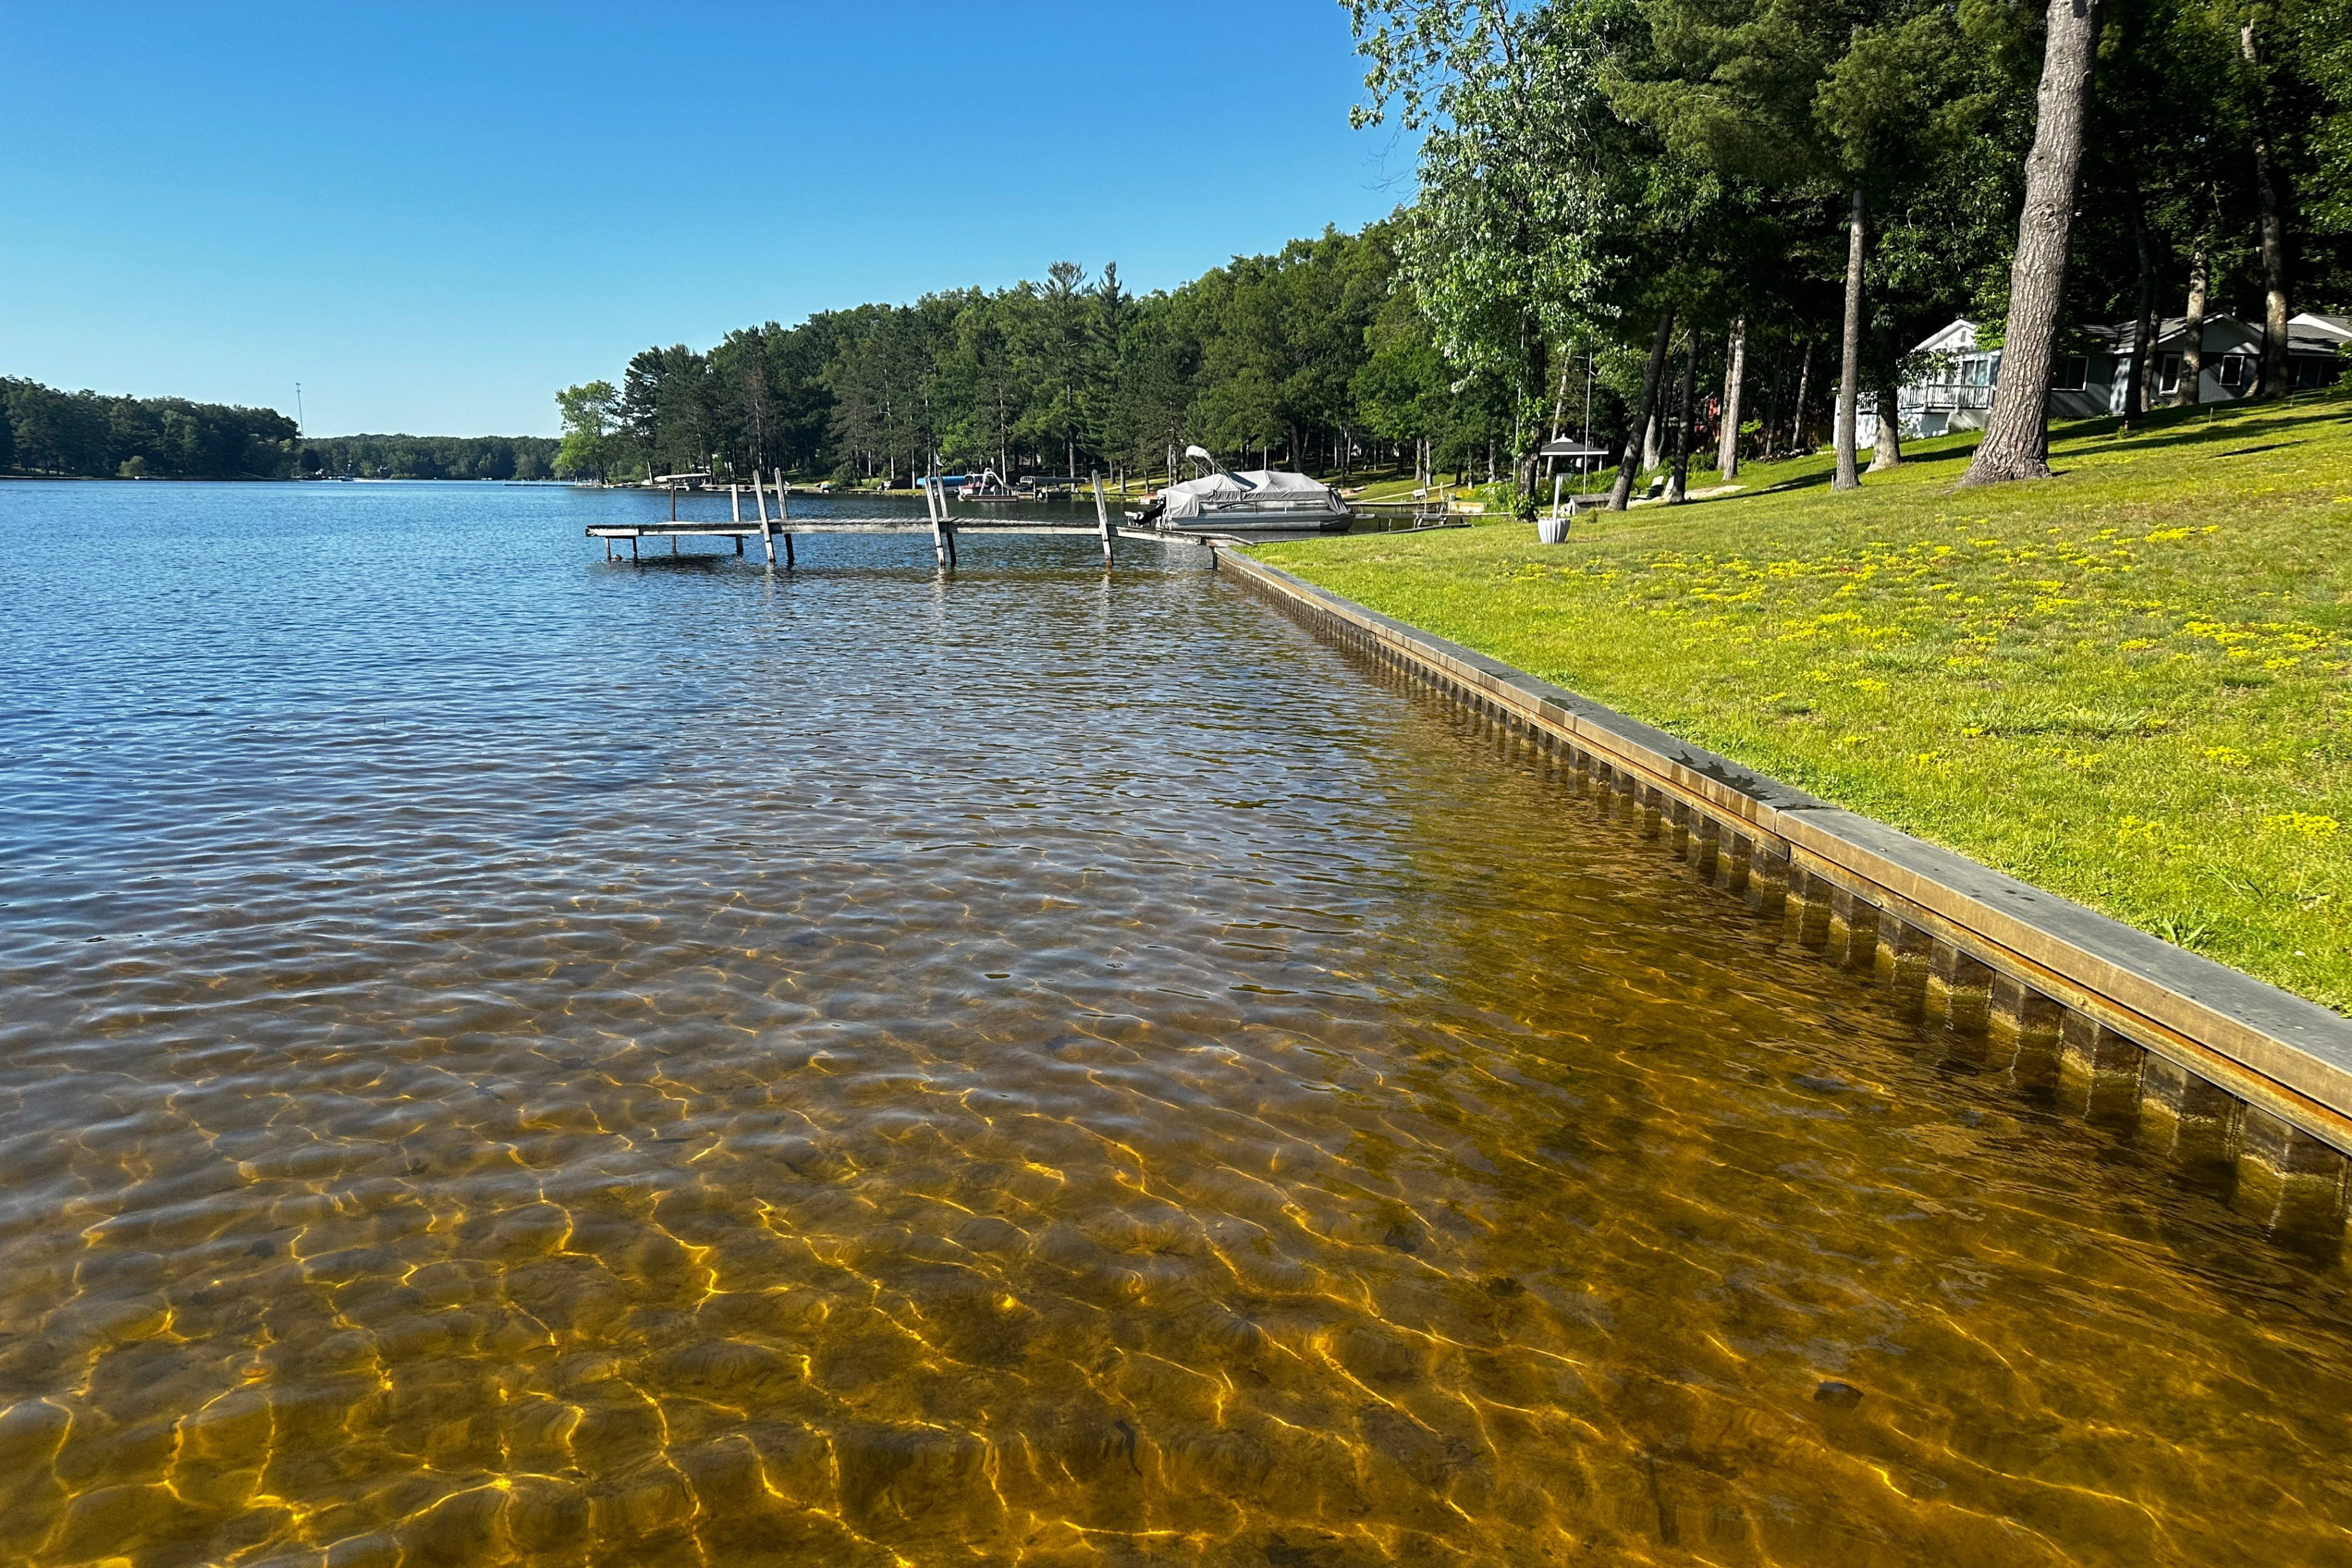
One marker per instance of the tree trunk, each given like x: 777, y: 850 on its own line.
x: 1650, y: 453
x: 1804, y: 385
x: 1621, y: 491
x: 2143, y: 320
x: 2016, y: 443
x: 2274, y: 232
x: 1887, y: 452
x: 1850, y: 353
x: 1678, y: 481
x: 1734, y: 376
x: 2191, y: 390
x: 1524, y: 462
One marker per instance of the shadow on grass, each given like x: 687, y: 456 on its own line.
x: 2212, y: 422
x: 1820, y: 478
x: 2202, y: 424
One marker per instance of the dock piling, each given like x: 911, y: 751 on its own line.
x: 1102, y: 516
x: 760, y: 505
x: 935, y: 505
x: 783, y: 513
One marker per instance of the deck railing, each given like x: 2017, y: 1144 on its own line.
x: 1942, y: 397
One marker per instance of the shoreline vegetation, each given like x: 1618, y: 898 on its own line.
x: 48, y: 433
x: 1318, y: 358
x: 2128, y: 684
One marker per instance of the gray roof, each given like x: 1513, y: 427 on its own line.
x: 2311, y: 335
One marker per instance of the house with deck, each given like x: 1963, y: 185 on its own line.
x: 1949, y: 380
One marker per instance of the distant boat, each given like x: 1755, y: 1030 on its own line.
x: 1256, y: 501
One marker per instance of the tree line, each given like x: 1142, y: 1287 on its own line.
x: 429, y: 457
x: 1317, y: 356
x: 87, y: 435
x: 1672, y: 224
x: 1777, y: 196
x: 44, y: 431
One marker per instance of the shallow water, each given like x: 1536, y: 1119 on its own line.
x: 509, y: 1058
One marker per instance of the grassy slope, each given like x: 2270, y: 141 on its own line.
x: 2128, y: 684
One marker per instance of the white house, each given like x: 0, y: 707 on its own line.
x: 1953, y: 386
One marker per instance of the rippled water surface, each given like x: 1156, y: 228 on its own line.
x: 509, y: 1059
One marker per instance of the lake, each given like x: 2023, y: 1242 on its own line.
x: 509, y: 1057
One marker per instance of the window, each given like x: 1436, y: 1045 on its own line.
x: 2233, y: 370
x: 2066, y: 374
x: 2311, y: 371
x: 2168, y: 374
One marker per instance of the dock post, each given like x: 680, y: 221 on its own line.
x: 938, y: 528
x: 760, y: 505
x: 735, y: 501
x: 783, y: 515
x: 632, y: 547
x: 1102, y: 516
x: 608, y: 547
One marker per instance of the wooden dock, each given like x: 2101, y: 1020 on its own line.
x: 942, y: 527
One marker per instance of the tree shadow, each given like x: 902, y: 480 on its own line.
x: 2213, y: 424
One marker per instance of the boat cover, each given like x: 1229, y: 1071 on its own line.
x: 1191, y: 498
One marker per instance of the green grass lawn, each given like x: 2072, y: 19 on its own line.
x: 2128, y: 685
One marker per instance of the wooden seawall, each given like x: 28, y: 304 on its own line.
x: 2210, y: 1067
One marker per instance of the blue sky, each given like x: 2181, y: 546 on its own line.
x: 432, y: 216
